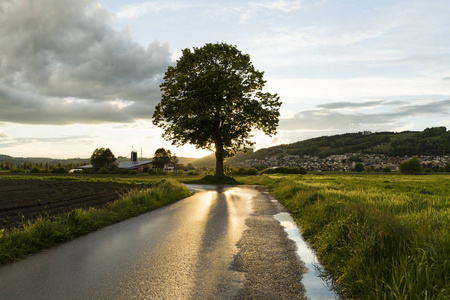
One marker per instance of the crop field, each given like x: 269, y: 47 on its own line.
x: 380, y: 236
x: 56, y: 210
x: 26, y: 199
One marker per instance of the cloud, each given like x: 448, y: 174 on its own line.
x: 282, y: 5
x: 298, y: 90
x: 12, y: 142
x: 359, y: 105
x: 329, y: 118
x: 63, y: 62
x: 351, y: 105
x: 133, y: 11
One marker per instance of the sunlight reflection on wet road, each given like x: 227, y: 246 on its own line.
x: 180, y: 251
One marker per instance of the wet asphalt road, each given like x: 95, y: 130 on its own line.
x: 221, y: 243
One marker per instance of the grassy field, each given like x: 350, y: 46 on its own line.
x: 381, y: 236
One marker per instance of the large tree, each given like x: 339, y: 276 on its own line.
x: 102, y: 158
x: 213, y: 99
x: 163, y: 158
x: 412, y: 166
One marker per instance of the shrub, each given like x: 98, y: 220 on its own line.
x: 359, y: 167
x: 59, y: 170
x: 103, y: 171
x: 285, y: 170
x: 447, y: 168
x: 411, y: 166
x: 386, y: 169
x: 252, y: 171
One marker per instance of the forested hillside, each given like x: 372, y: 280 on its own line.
x: 431, y: 141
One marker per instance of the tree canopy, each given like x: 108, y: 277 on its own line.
x: 359, y: 167
x: 213, y: 98
x: 102, y: 158
x: 412, y: 166
x: 163, y: 157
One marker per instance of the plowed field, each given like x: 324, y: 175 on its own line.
x: 28, y: 199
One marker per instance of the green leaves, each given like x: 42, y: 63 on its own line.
x: 102, y: 158
x: 213, y: 99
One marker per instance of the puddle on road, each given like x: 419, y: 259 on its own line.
x: 315, y: 286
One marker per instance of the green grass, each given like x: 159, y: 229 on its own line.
x: 381, y: 237
x: 45, y: 232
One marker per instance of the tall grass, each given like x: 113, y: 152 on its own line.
x: 381, y: 237
x: 45, y: 232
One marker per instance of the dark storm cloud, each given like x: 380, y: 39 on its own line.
x: 61, y: 62
x: 323, y: 119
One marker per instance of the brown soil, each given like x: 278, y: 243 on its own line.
x: 21, y: 200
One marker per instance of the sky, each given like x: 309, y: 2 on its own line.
x: 80, y: 75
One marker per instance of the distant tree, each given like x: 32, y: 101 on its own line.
x: 359, y: 167
x: 103, y: 158
x: 412, y: 166
x: 368, y: 169
x: 386, y: 169
x: 447, y: 168
x: 163, y: 158
x: 213, y: 99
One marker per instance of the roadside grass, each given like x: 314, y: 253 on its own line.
x: 46, y: 232
x: 381, y: 237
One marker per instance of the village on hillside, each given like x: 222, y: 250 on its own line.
x: 346, y: 162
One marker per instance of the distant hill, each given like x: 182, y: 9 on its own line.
x: 43, y: 160
x: 431, y: 141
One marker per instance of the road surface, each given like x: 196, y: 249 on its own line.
x: 221, y: 243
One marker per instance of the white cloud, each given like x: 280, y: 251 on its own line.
x: 294, y: 39
x: 298, y: 90
x: 348, y: 116
x: 136, y: 10
x: 282, y: 5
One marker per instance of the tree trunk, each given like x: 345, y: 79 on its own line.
x: 219, y: 159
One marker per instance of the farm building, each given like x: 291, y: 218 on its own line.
x: 142, y: 166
